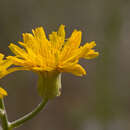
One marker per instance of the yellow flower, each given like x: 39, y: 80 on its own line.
x: 2, y: 93
x: 56, y: 54
x: 53, y: 55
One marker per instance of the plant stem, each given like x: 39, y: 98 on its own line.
x: 29, y: 116
x: 4, y: 119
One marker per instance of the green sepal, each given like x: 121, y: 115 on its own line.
x: 49, y: 84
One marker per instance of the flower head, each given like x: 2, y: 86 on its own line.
x: 54, y: 54
x: 49, y: 57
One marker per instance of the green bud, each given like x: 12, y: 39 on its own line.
x: 49, y: 84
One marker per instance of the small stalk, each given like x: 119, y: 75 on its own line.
x: 4, y: 119
x: 29, y: 116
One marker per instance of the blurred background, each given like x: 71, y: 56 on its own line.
x: 97, y: 101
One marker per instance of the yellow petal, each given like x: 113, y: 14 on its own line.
x: 4, y: 72
x: 39, y: 33
x: 74, y: 40
x: 28, y: 38
x: 53, y: 37
x: 90, y: 45
x: 71, y: 45
x: 57, y: 38
x: 16, y: 61
x: 29, y: 42
x: 18, y: 51
x: 91, y: 54
x: 75, y: 69
x: 3, y: 92
x: 55, y: 44
x: 6, y: 63
x: 1, y: 56
x: 85, y: 48
x: 61, y: 31
x: 87, y: 52
x: 13, y: 69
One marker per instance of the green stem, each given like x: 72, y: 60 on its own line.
x: 4, y: 119
x: 29, y: 116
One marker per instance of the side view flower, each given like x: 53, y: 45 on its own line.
x: 56, y: 54
x: 50, y: 57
